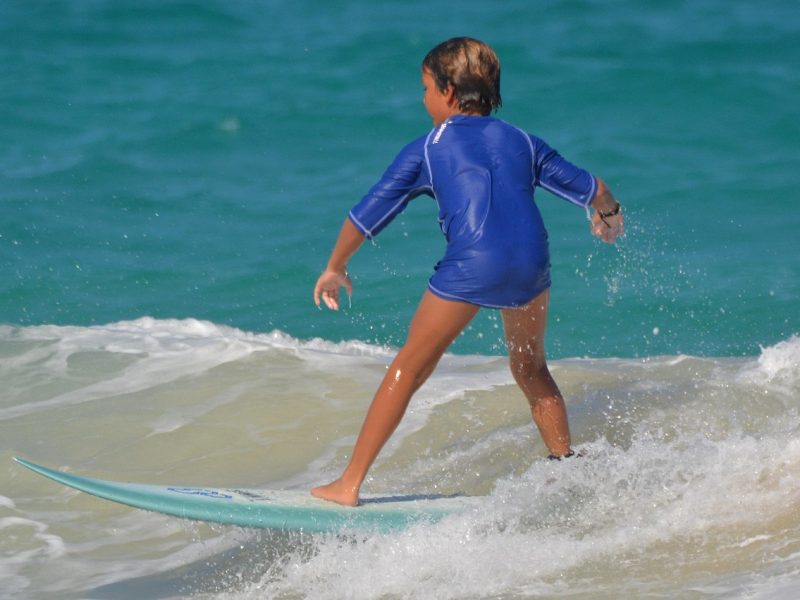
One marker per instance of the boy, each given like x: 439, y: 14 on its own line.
x: 482, y: 173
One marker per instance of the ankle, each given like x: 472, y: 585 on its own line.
x: 568, y: 454
x: 350, y: 481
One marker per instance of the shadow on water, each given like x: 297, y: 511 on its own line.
x: 243, y: 565
x: 249, y: 562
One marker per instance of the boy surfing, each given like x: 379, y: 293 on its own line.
x: 483, y: 173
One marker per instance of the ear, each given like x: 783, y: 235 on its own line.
x: 450, y: 96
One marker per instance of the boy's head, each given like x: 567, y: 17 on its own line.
x: 472, y: 68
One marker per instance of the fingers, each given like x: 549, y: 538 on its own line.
x: 609, y: 229
x: 327, y: 289
x: 328, y: 295
x: 604, y: 232
x: 331, y: 299
x: 317, y: 294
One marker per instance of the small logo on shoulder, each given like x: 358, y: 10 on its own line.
x: 439, y: 133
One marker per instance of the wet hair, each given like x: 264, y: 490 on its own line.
x: 472, y: 68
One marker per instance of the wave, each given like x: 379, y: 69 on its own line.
x: 47, y: 366
x: 689, y: 479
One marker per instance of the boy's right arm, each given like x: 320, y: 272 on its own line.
x: 402, y: 181
x: 335, y: 275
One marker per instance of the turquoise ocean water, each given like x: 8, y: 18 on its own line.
x: 172, y: 178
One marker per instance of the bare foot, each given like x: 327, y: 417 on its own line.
x: 338, y: 492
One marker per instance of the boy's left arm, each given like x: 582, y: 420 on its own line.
x: 607, y: 220
x: 559, y: 176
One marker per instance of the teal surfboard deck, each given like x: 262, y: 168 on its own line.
x: 267, y: 509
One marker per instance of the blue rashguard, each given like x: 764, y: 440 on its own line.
x: 482, y: 173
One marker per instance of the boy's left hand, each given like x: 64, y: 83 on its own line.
x: 608, y: 229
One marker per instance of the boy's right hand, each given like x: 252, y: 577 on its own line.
x: 327, y: 288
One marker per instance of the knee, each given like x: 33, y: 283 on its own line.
x: 526, y: 366
x: 414, y: 369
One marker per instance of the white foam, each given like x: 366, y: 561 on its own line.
x: 157, y: 351
x: 677, y: 455
x: 781, y: 363
x: 558, y: 519
x: 25, y: 542
x: 776, y: 371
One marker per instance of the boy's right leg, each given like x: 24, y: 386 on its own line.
x: 435, y: 325
x: 524, y: 328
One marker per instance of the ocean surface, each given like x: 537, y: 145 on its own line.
x: 172, y: 178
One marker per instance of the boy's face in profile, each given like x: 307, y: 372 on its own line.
x: 439, y: 105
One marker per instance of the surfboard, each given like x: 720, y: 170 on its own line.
x: 266, y: 509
